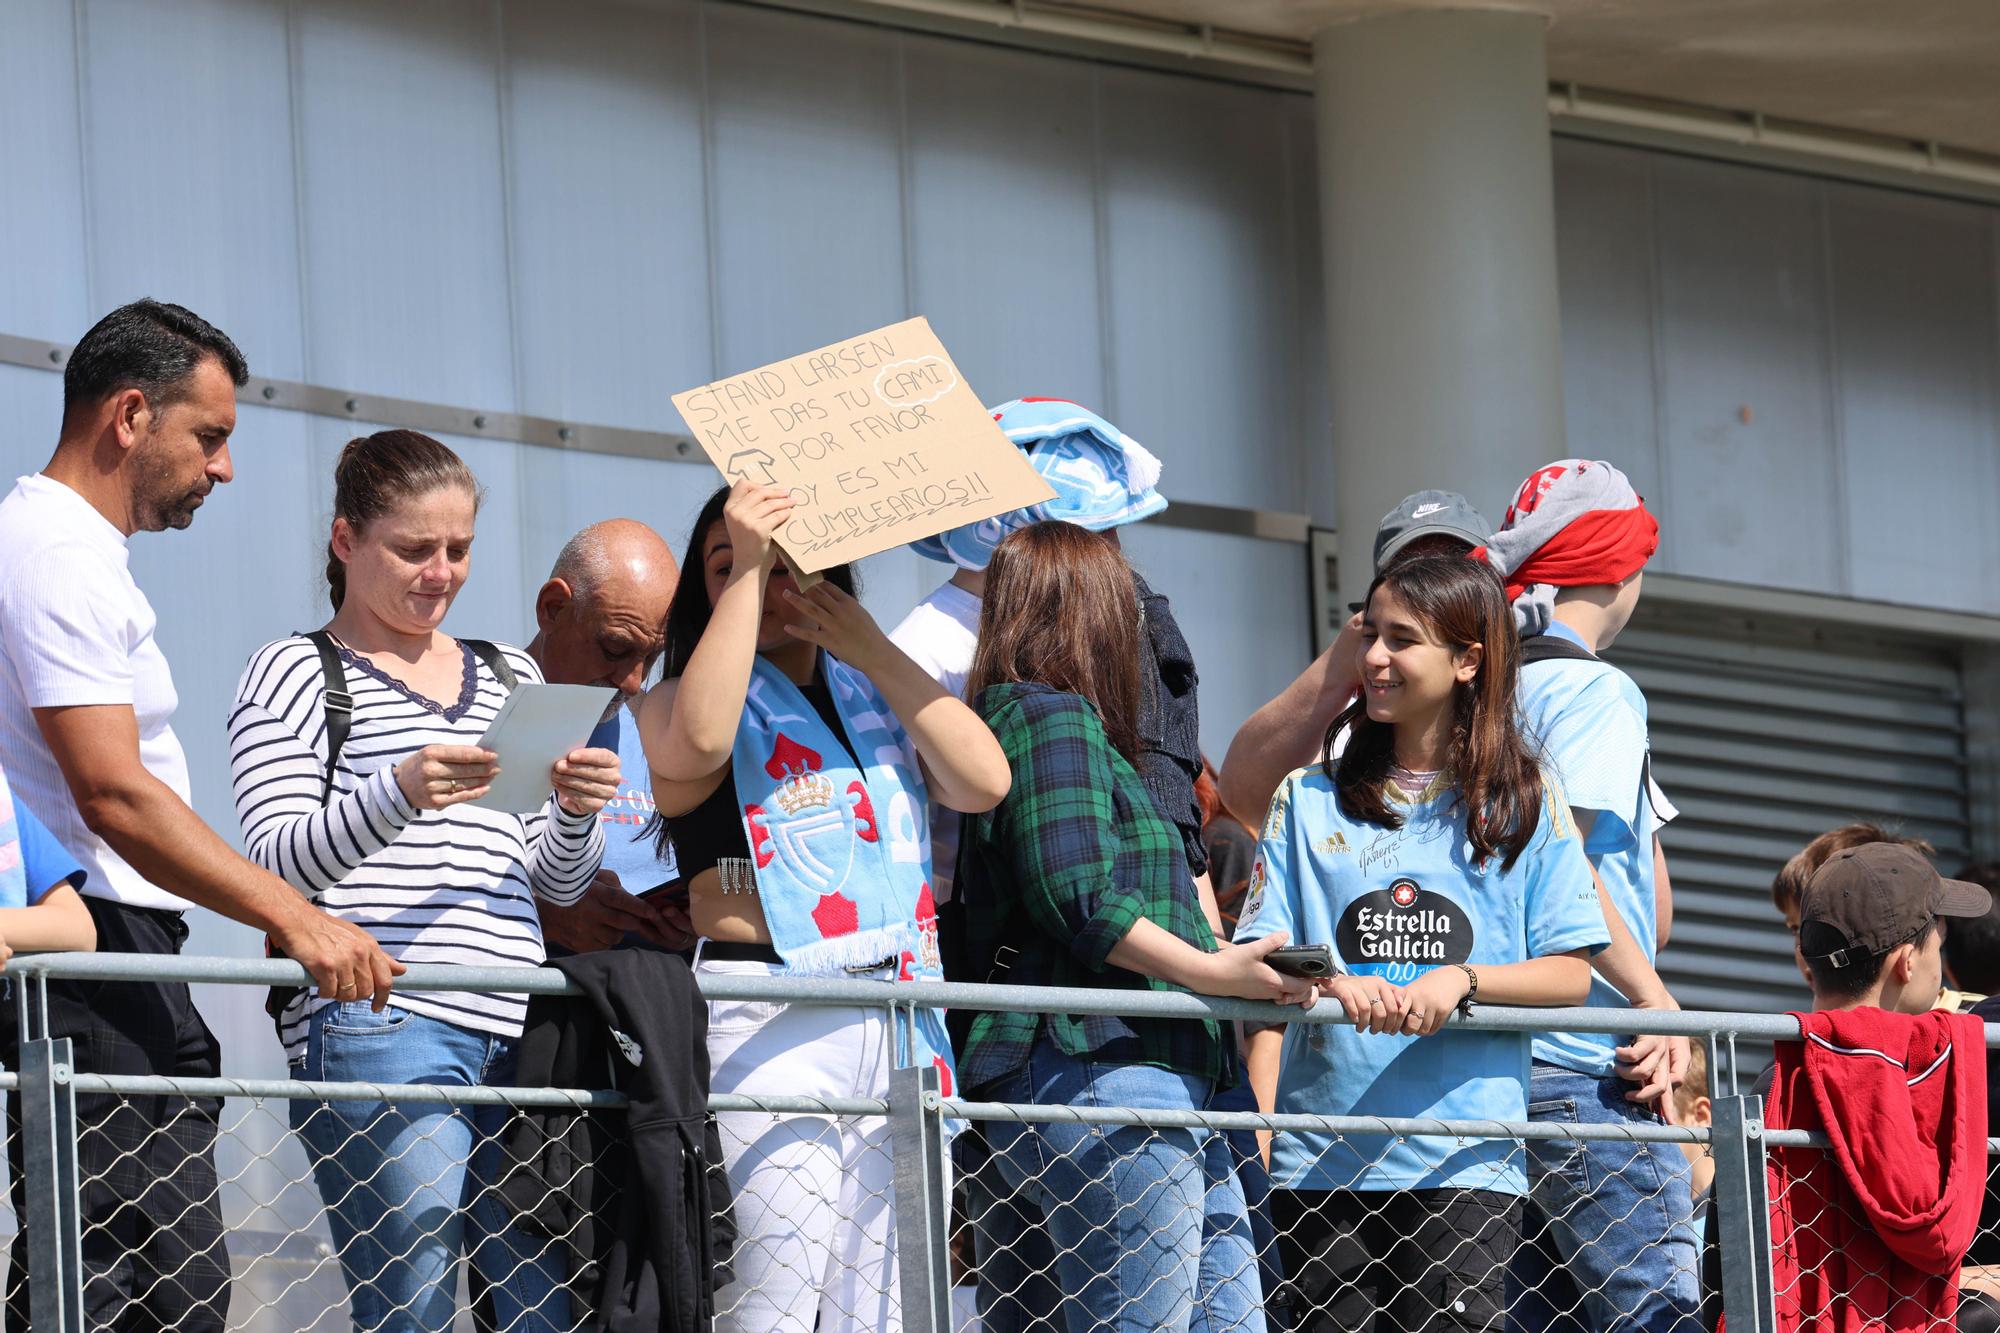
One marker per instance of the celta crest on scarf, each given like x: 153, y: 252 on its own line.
x: 841, y: 853
x: 1102, y: 477
x: 13, y: 874
x: 1575, y: 523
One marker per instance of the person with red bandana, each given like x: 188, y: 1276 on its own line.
x: 1614, y: 1244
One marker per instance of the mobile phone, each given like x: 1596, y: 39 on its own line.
x: 1302, y: 960
x: 674, y: 890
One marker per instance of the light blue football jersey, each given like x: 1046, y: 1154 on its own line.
x: 1396, y: 903
x: 1590, y: 722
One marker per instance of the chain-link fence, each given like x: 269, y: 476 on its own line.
x: 1831, y: 1254
x: 1115, y: 1218
x: 288, y: 1205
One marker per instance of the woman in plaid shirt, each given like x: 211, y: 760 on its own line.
x: 1076, y: 879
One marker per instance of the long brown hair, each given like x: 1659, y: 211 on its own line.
x: 1061, y: 610
x: 1459, y: 602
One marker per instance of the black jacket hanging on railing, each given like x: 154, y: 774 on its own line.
x: 638, y: 1199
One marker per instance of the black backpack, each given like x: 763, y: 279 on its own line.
x: 339, y: 722
x: 1553, y: 648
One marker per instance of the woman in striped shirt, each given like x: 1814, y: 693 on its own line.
x: 386, y: 836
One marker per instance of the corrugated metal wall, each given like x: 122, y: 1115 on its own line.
x: 1765, y: 735
x: 1799, y: 374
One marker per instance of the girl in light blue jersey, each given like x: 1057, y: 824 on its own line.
x: 1441, y: 866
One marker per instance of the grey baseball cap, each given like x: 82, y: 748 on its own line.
x: 1429, y: 514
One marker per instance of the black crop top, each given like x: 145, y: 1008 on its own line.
x: 713, y: 830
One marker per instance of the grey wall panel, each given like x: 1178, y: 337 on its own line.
x: 405, y: 233
x: 196, y: 207
x: 1751, y: 472
x: 1003, y: 217
x: 609, y: 210
x: 44, y: 278
x: 1604, y: 249
x: 30, y: 416
x: 1237, y: 601
x: 1913, y: 286
x: 495, y: 601
x: 1756, y: 737
x: 563, y: 492
x: 808, y: 226
x: 1314, y: 431
x: 1202, y: 339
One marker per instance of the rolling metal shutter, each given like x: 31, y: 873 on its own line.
x: 1766, y: 734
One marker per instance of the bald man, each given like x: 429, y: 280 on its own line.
x: 601, y: 620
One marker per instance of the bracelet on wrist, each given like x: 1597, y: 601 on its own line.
x: 1471, y: 990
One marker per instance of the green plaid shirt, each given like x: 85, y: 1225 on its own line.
x: 1062, y: 869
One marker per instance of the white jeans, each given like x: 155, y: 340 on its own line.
x: 814, y: 1195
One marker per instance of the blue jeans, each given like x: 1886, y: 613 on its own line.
x: 1018, y: 1290
x: 401, y: 1182
x: 1610, y: 1242
x: 1256, y: 1181
x: 1148, y: 1225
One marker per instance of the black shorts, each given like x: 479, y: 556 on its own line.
x: 1409, y: 1261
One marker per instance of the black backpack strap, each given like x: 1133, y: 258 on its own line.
x: 1554, y: 648
x: 339, y: 706
x: 496, y: 662
x: 339, y: 722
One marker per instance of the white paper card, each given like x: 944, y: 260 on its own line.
x: 537, y: 725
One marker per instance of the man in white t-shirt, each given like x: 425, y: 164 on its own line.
x: 86, y: 738
x: 940, y: 634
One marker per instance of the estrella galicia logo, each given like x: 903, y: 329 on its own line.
x: 1403, y: 931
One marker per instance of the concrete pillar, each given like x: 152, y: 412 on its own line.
x: 1438, y: 223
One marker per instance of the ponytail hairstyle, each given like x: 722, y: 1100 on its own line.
x: 1061, y: 610
x: 1459, y: 602
x: 375, y: 473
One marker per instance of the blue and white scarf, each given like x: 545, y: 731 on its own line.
x: 1102, y: 477
x: 13, y: 875
x: 842, y: 855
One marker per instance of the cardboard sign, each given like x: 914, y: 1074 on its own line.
x: 879, y: 438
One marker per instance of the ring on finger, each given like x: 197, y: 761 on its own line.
x: 454, y: 786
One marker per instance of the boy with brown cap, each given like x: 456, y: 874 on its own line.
x: 1871, y: 1233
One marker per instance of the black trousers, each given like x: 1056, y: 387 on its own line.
x: 1411, y: 1261
x: 154, y: 1256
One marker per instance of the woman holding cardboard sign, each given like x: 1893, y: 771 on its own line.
x: 353, y: 753
x: 792, y: 746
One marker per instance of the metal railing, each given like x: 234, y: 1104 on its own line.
x: 350, y: 1196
